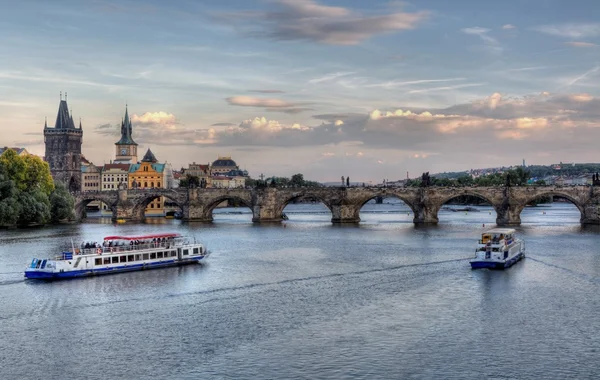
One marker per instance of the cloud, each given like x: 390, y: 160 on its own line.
x: 250, y: 101
x: 150, y: 118
x: 327, y: 154
x: 445, y: 88
x: 329, y: 77
x: 571, y: 30
x: 310, y: 21
x: 580, y: 44
x: 267, y: 91
x: 290, y: 111
x: 508, y: 26
x: 491, y: 44
x: 223, y: 125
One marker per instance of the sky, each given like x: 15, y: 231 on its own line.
x: 372, y: 90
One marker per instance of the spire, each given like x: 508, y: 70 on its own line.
x: 45, y: 122
x: 149, y: 157
x: 63, y: 118
x: 79, y: 123
x: 126, y: 130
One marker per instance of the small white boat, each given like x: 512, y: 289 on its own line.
x: 498, y: 248
x: 119, y: 254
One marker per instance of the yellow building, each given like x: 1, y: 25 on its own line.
x: 149, y: 174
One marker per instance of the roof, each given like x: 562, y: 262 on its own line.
x: 149, y: 157
x: 17, y: 150
x: 224, y: 161
x: 84, y: 160
x: 143, y: 237
x: 126, y: 131
x: 500, y: 231
x: 124, y: 167
x: 63, y: 119
x: 157, y: 167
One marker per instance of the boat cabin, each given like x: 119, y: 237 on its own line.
x: 497, y: 236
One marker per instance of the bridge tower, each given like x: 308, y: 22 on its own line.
x: 63, y: 148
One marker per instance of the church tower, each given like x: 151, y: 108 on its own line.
x: 126, y: 148
x: 63, y: 148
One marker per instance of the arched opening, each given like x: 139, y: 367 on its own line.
x: 306, y: 208
x: 551, y: 209
x: 157, y: 208
x: 386, y: 208
x: 468, y: 208
x: 73, y: 185
x: 94, y: 210
x: 229, y: 209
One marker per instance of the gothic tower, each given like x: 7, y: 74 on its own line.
x: 126, y: 148
x: 63, y: 148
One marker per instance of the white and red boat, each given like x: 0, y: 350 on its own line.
x: 119, y: 254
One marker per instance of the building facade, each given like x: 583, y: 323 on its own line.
x: 63, y: 148
x: 149, y: 174
x: 114, y: 175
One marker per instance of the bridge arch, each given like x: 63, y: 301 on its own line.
x: 554, y: 193
x: 445, y: 197
x: 146, y: 197
x: 306, y: 194
x: 383, y: 194
x: 213, y: 203
x: 81, y: 201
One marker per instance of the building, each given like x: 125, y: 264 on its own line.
x: 149, y: 174
x: 126, y: 148
x: 223, y: 165
x: 63, y: 148
x: 114, y: 175
x: 203, y: 172
x: 224, y: 181
x: 20, y: 151
x: 91, y: 176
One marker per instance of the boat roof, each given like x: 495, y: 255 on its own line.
x: 143, y: 237
x: 500, y: 231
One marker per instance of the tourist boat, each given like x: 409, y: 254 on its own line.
x: 498, y: 249
x: 119, y: 254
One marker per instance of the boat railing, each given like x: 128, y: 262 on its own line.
x: 125, y: 248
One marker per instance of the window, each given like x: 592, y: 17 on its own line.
x: 130, y: 258
x: 145, y: 184
x: 151, y: 205
x: 151, y: 184
x: 115, y: 259
x: 159, y: 255
x: 153, y: 255
x: 123, y: 259
x: 98, y: 261
x: 138, y: 257
x: 186, y: 252
x: 195, y: 251
x: 145, y: 256
x: 173, y: 253
x: 107, y: 260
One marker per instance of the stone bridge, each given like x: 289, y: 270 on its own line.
x: 344, y: 202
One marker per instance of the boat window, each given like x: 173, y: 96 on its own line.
x: 153, y: 255
x: 145, y: 256
x: 138, y: 257
x: 195, y: 251
x: 159, y: 255
x: 98, y: 262
x: 115, y: 259
x: 130, y: 258
x: 123, y: 259
x: 38, y: 264
x: 33, y: 262
x: 186, y: 252
x: 173, y: 253
x: 43, y: 264
x: 106, y: 260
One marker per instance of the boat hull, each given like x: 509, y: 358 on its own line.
x: 490, y: 264
x: 62, y: 275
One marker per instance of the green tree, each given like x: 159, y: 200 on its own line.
x: 35, y: 208
x: 61, y: 204
x: 297, y: 180
x: 9, y: 206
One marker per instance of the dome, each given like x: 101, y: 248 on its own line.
x: 224, y: 161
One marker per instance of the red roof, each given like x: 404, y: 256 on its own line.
x: 142, y: 237
x: 116, y: 166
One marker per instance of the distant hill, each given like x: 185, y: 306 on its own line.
x: 535, y: 171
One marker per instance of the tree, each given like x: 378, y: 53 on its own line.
x: 189, y: 181
x: 61, y: 204
x: 35, y: 208
x: 297, y: 180
x: 9, y: 206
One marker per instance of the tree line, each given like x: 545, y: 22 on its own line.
x: 514, y: 177
x: 28, y: 195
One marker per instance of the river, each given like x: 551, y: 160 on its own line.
x: 312, y: 300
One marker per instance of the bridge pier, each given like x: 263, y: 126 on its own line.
x: 590, y: 214
x: 345, y: 214
x: 509, y: 215
x: 425, y: 214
